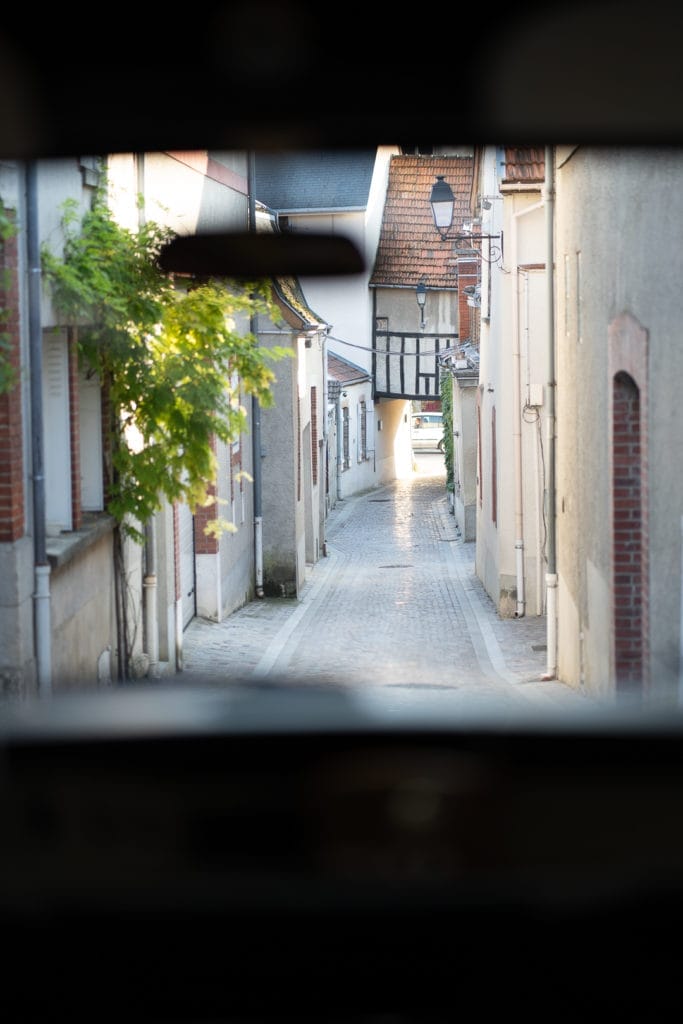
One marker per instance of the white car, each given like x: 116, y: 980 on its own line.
x: 427, y: 431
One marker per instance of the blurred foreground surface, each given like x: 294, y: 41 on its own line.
x: 260, y: 852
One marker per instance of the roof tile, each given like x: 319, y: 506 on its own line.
x: 290, y: 181
x: 343, y: 371
x: 410, y: 249
x: 524, y: 165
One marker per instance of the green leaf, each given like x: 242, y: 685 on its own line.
x: 171, y: 357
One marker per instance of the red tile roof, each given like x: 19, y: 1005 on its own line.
x: 342, y: 370
x: 524, y: 165
x: 410, y: 249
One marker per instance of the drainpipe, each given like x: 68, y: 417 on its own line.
x: 325, y: 504
x: 326, y: 389
x: 41, y: 596
x: 517, y: 427
x: 149, y: 583
x: 255, y: 417
x: 538, y: 482
x: 551, y: 576
x: 258, y: 515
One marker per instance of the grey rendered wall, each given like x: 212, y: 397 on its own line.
x: 17, y: 660
x: 465, y: 461
x: 620, y: 215
x: 82, y: 611
x: 282, y: 512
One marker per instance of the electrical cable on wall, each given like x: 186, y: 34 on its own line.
x: 369, y: 348
x: 385, y: 352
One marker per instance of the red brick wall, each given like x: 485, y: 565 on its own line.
x: 11, y: 428
x: 629, y: 569
x: 468, y: 274
x: 628, y: 344
x: 206, y: 544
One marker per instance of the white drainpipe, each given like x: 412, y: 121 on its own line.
x: 551, y: 576
x: 41, y: 604
x: 517, y: 428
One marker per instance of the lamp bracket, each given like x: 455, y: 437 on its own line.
x: 495, y: 252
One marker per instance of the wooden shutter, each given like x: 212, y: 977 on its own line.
x: 90, y: 412
x: 56, y: 435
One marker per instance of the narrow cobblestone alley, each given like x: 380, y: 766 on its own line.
x: 395, y: 604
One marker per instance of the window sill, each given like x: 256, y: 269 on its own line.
x: 63, y: 549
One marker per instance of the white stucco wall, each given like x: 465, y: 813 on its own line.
x: 512, y: 375
x: 58, y: 181
x: 346, y: 302
x: 394, y: 452
x: 343, y: 301
x: 188, y: 192
x: 465, y: 455
x: 291, y: 526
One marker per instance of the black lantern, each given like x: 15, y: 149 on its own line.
x: 442, y: 202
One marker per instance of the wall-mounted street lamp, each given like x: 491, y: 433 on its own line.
x: 442, y: 202
x: 421, y: 296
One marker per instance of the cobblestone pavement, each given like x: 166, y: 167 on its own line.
x: 395, y: 604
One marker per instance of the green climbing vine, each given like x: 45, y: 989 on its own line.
x: 8, y: 372
x: 173, y: 361
x: 446, y: 387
